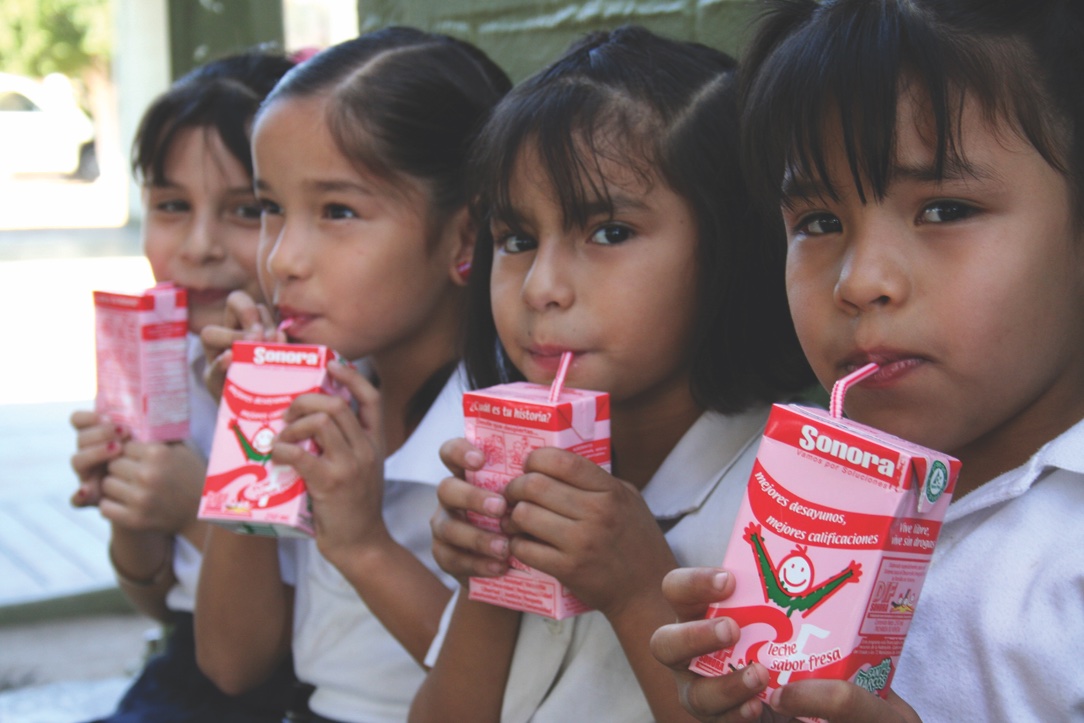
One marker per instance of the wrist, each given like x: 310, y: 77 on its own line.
x: 160, y: 574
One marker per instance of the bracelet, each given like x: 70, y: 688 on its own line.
x: 154, y: 579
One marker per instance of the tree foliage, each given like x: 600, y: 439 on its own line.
x: 38, y: 37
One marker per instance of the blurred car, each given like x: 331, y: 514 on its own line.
x: 43, y: 129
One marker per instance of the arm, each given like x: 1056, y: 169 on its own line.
x: 476, y: 653
x: 732, y: 697
x: 346, y: 484
x: 150, y: 494
x: 244, y: 611
x: 585, y: 527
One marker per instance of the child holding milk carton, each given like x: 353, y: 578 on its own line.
x: 360, y: 158
x: 200, y: 231
x: 928, y: 159
x: 618, y: 233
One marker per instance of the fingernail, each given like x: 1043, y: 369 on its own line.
x: 494, y: 568
x: 719, y: 580
x: 499, y: 546
x: 749, y: 710
x: 726, y: 631
x: 751, y: 677
x: 776, y: 698
x: 475, y: 459
x: 494, y: 505
x: 112, y: 446
x: 119, y: 430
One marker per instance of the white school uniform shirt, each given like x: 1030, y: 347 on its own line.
x: 998, y: 634
x: 202, y: 412
x: 574, y: 669
x: 361, y: 672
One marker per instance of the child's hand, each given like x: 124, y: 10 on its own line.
x: 154, y: 486
x: 461, y: 549
x: 242, y: 319
x: 573, y: 520
x: 345, y: 479
x: 97, y: 442
x: 731, y: 697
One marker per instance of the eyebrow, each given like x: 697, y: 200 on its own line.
x: 955, y: 169
x: 324, y: 186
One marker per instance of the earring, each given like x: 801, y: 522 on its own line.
x: 463, y: 269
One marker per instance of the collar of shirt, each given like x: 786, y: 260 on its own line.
x: 1066, y: 451
x: 418, y: 460
x: 700, y: 459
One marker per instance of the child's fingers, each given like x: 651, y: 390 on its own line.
x: 840, y: 702
x: 82, y: 418
x: 727, y: 699
x: 454, y: 532
x: 90, y: 461
x: 459, y: 455
x: 362, y: 390
x: 242, y: 312
x: 568, y: 467
x: 459, y: 495
x: 216, y: 340
x: 676, y: 644
x: 214, y: 376
x: 690, y: 590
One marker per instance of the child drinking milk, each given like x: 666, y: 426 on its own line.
x: 360, y: 156
x: 934, y: 202
x: 619, y: 231
x: 200, y: 230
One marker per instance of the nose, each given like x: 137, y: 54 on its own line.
x: 874, y: 272
x: 203, y: 243
x: 549, y: 282
x: 283, y: 251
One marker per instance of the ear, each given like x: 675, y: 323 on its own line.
x: 461, y: 231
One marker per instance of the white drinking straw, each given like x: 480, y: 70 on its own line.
x: 839, y: 389
x: 559, y: 380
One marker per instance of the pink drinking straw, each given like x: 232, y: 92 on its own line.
x: 559, y: 380
x: 839, y: 389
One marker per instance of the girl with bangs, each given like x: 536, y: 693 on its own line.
x: 928, y: 159
x: 617, y: 229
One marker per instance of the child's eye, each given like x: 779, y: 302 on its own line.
x: 249, y: 211
x: 173, y: 205
x: 515, y: 243
x: 611, y: 234
x: 818, y: 224
x: 945, y: 212
x: 338, y: 212
x: 269, y: 208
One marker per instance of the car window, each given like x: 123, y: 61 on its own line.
x: 16, y: 101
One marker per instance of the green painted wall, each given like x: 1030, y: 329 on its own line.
x: 524, y: 35
x: 200, y: 30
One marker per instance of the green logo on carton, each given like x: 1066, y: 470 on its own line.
x: 936, y: 481
x: 876, y: 678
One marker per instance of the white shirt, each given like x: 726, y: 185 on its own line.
x: 998, y: 634
x: 361, y: 673
x: 574, y: 669
x: 202, y: 413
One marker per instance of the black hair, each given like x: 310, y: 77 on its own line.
x: 434, y: 91
x: 665, y: 110
x: 845, y: 62
x: 222, y: 95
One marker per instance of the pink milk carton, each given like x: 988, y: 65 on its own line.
x: 830, y: 550
x: 245, y: 491
x: 142, y: 361
x: 507, y: 422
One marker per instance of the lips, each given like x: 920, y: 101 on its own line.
x: 894, y: 366
x: 293, y: 321
x: 548, y: 358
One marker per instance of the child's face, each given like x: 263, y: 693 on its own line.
x: 618, y: 292
x: 968, y: 291
x: 201, y: 225
x: 343, y: 255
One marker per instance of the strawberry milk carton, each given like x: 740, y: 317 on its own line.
x: 830, y: 550
x: 244, y: 491
x: 142, y: 361
x: 507, y: 422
